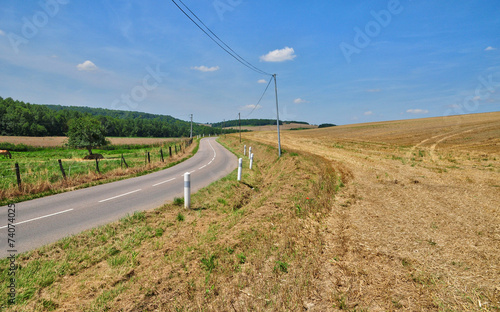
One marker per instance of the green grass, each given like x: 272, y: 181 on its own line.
x: 42, y: 164
x: 45, y: 168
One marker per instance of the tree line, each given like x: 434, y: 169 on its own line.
x: 253, y: 123
x: 24, y: 119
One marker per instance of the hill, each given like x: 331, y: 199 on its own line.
x: 24, y: 119
x: 388, y: 216
x: 417, y: 227
x: 254, y: 123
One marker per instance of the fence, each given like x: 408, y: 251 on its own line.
x: 12, y: 174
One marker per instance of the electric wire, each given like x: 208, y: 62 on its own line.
x: 241, y: 58
x: 257, y: 105
x: 227, y: 49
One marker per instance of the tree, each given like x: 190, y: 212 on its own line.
x: 326, y: 125
x: 86, y: 132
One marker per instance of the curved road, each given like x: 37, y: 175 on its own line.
x: 48, y: 219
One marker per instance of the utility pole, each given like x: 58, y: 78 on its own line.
x: 239, y: 123
x: 277, y: 115
x: 191, y: 136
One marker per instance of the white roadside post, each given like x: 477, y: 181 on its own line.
x: 245, y: 150
x: 249, y: 151
x: 240, y: 167
x: 187, y: 190
x: 251, y: 161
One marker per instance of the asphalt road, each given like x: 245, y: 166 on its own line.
x: 48, y: 219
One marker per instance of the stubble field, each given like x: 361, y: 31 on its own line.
x: 418, y: 226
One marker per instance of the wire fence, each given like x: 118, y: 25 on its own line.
x: 54, y: 170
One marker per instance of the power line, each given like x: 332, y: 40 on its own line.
x: 257, y: 105
x: 218, y: 41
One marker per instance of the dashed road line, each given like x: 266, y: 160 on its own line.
x: 115, y: 197
x: 38, y: 218
x: 164, y: 182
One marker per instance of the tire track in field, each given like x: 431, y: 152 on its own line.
x: 445, y: 136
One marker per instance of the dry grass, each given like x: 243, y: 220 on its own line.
x: 43, y: 186
x: 246, y: 246
x: 60, y: 141
x: 418, y: 227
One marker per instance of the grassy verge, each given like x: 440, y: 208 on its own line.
x: 254, y: 245
x: 48, y: 180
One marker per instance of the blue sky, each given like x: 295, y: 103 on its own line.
x: 336, y: 61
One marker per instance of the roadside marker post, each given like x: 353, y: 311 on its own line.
x: 245, y: 150
x: 251, y: 161
x: 187, y: 190
x: 249, y: 151
x: 240, y: 167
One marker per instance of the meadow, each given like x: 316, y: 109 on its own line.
x: 40, y: 170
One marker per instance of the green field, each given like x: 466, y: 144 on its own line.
x: 39, y: 165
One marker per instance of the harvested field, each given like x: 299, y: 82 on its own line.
x: 59, y: 141
x: 418, y: 226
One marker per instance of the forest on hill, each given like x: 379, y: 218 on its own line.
x: 24, y: 119
x: 253, y: 123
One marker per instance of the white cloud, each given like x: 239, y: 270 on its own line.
x: 300, y: 101
x: 206, y: 69
x: 368, y: 113
x: 286, y: 54
x: 262, y: 81
x: 490, y: 48
x: 87, y: 66
x: 417, y: 111
x: 250, y: 106
x: 373, y: 90
x: 2, y: 33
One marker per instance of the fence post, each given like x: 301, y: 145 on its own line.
x: 97, y: 166
x: 62, y: 169
x: 149, y: 158
x: 18, y: 175
x: 170, y: 151
x: 187, y: 190
x: 161, y: 154
x: 251, y: 161
x: 123, y: 159
x: 240, y: 167
x: 175, y: 148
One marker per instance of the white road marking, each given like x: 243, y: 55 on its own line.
x: 101, y: 201
x: 163, y: 182
x: 202, y: 167
x: 42, y: 217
